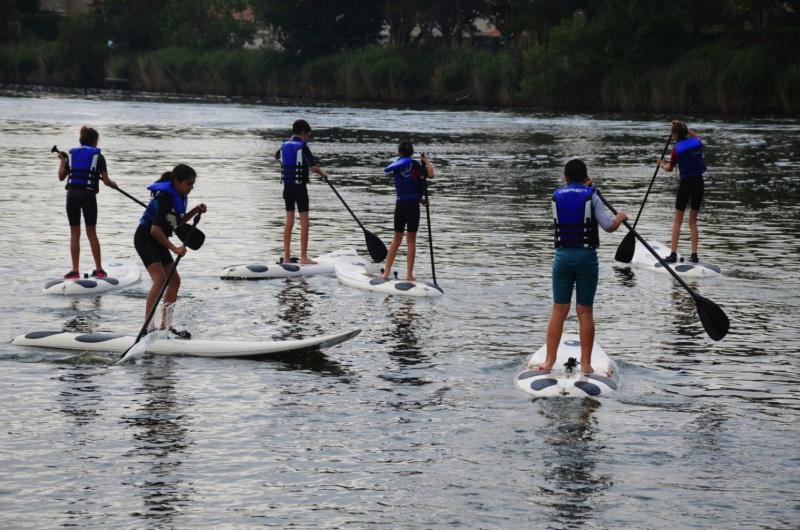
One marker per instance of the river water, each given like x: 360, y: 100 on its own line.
x: 416, y: 423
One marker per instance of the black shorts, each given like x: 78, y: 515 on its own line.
x: 150, y: 250
x: 406, y: 216
x: 295, y: 194
x: 690, y: 191
x: 85, y: 201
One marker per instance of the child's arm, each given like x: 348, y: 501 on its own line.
x: 428, y: 166
x: 63, y: 168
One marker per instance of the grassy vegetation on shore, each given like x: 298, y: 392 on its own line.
x: 720, y: 77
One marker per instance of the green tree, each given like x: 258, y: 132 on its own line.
x: 314, y: 27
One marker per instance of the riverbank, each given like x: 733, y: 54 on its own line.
x: 731, y: 77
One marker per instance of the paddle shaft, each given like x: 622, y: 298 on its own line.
x: 430, y: 236
x: 648, y: 247
x: 143, y: 331
x: 345, y: 204
x: 652, y: 180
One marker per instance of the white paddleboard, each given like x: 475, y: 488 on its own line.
x: 358, y: 273
x: 644, y: 259
x: 115, y: 343
x: 561, y: 381
x: 120, y: 276
x: 326, y: 264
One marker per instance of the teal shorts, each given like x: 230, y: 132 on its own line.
x: 575, y: 267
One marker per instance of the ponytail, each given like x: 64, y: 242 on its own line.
x: 88, y: 136
x: 166, y: 176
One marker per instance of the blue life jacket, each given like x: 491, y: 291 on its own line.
x: 294, y: 169
x: 83, y: 168
x: 690, y: 157
x: 573, y: 216
x: 179, y: 203
x: 407, y: 179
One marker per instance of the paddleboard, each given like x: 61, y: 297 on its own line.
x: 326, y: 264
x: 120, y: 276
x: 563, y: 381
x: 644, y: 259
x: 357, y: 273
x: 116, y: 343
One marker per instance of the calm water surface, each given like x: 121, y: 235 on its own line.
x: 416, y: 423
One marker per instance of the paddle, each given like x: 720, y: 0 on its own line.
x: 143, y: 331
x: 430, y: 237
x: 627, y: 246
x: 377, y: 250
x: 713, y: 318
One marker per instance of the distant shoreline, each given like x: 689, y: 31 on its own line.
x: 721, y: 81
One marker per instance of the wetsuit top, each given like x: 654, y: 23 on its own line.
x: 407, y: 174
x: 296, y: 161
x: 84, y: 166
x: 573, y: 217
x: 166, y: 208
x: 688, y: 155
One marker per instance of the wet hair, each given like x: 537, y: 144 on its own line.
x: 180, y: 173
x: 405, y: 148
x: 680, y: 130
x: 575, y: 171
x: 301, y: 127
x: 88, y: 136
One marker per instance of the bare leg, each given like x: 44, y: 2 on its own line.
x: 676, y: 229
x: 693, y: 230
x: 75, y: 246
x: 287, y: 236
x: 304, y: 259
x: 94, y: 244
x: 554, y: 329
x: 396, y: 240
x: 411, y: 243
x: 158, y: 276
x: 170, y: 295
x: 586, y: 324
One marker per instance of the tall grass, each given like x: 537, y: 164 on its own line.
x: 572, y: 73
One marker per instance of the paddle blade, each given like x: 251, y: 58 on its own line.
x: 377, y: 250
x: 192, y: 237
x: 713, y: 318
x: 626, y: 248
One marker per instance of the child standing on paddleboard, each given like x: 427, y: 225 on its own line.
x: 296, y: 163
x: 83, y: 168
x: 407, y: 174
x: 577, y: 213
x: 166, y: 211
x: 687, y: 154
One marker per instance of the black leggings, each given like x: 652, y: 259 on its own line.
x: 81, y: 200
x: 150, y: 250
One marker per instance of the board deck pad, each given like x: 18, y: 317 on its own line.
x: 566, y: 379
x: 120, y: 276
x: 117, y: 343
x: 326, y: 264
x: 358, y: 273
x: 644, y: 259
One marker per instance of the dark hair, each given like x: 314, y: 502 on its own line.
x: 405, y: 148
x: 575, y: 171
x: 88, y: 136
x: 301, y: 127
x: 680, y: 130
x: 180, y: 173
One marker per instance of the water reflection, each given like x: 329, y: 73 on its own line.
x: 295, y: 307
x: 160, y: 441
x: 84, y: 315
x: 80, y: 397
x: 570, y: 459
